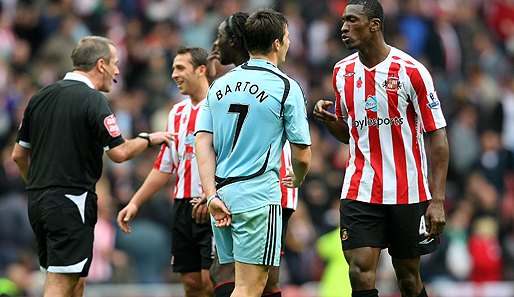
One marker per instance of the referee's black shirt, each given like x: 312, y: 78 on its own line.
x: 67, y: 125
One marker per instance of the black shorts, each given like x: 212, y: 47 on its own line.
x: 192, y: 246
x: 63, y: 221
x: 286, y: 215
x: 400, y: 228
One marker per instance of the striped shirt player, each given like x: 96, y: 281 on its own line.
x: 180, y: 158
x: 386, y: 108
x: 386, y: 101
x: 192, y: 246
x: 289, y: 195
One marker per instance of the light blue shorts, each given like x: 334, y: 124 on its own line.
x: 252, y: 238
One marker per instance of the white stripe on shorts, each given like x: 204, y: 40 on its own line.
x: 75, y: 268
x: 271, y: 240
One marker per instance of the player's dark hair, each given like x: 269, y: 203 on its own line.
x: 262, y: 28
x: 89, y: 50
x: 235, y: 26
x: 198, y: 55
x: 372, y: 9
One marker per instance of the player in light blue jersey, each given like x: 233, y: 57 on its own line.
x: 248, y: 115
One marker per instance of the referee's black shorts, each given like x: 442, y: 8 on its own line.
x: 192, y: 245
x: 63, y: 221
x: 400, y: 228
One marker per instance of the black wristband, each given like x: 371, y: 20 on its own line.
x: 145, y: 136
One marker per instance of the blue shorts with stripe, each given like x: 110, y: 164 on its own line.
x: 254, y: 237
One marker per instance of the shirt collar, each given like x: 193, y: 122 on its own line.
x: 261, y: 62
x: 79, y: 77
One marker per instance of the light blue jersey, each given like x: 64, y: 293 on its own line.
x: 251, y: 111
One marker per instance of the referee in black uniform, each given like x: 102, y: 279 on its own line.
x: 66, y: 127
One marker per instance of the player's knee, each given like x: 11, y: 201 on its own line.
x: 408, y: 285
x: 361, y: 280
x: 78, y: 291
x: 221, y: 273
x: 207, y: 286
x: 273, y: 282
x: 192, y: 287
x: 214, y: 273
x: 271, y: 286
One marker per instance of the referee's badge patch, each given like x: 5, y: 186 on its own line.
x: 112, y: 126
x: 344, y: 234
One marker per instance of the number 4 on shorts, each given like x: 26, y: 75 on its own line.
x: 423, y: 226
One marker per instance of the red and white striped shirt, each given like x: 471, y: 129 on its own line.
x: 289, y: 195
x: 181, y: 157
x: 386, y: 107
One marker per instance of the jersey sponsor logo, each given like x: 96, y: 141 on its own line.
x: 344, y: 234
x: 433, y: 101
x: 112, y: 126
x: 190, y: 139
x: 186, y: 156
x: 371, y: 103
x: 240, y: 86
x: 392, y: 83
x: 377, y: 122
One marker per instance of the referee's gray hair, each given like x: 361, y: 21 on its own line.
x: 89, y: 50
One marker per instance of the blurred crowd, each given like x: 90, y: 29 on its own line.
x: 468, y: 46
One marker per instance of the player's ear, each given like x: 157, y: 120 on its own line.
x: 375, y: 25
x: 276, y: 45
x: 202, y: 70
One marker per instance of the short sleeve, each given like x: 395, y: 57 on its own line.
x: 23, y: 137
x: 425, y: 99
x: 295, y: 116
x: 205, y: 124
x: 102, y: 121
x: 167, y: 161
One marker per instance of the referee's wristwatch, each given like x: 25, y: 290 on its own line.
x: 145, y: 136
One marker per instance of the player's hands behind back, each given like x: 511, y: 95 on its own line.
x: 290, y: 180
x: 220, y: 213
x: 200, y: 211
